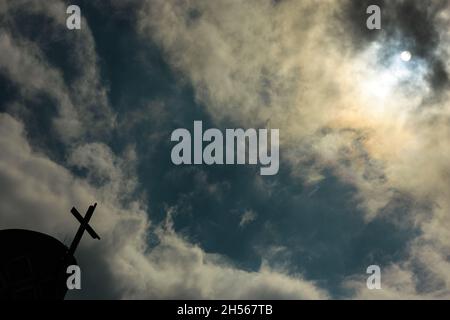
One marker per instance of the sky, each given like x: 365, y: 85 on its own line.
x: 86, y: 116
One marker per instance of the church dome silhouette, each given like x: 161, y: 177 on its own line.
x: 33, y: 265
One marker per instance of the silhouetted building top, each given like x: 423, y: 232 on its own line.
x: 33, y: 265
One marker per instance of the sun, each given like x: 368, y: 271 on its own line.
x: 406, y: 56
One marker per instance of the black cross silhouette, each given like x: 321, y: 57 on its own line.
x: 84, y: 225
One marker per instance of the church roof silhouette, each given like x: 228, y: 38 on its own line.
x: 33, y: 265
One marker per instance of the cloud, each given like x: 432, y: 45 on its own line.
x: 344, y: 102
x: 424, y: 275
x: 38, y: 194
x: 286, y: 64
x: 182, y: 270
x: 247, y: 217
x: 80, y: 98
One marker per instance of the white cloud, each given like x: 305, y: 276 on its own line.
x: 80, y: 98
x: 247, y: 217
x: 292, y: 63
x: 249, y: 64
x: 37, y: 194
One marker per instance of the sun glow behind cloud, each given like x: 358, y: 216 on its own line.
x: 389, y: 87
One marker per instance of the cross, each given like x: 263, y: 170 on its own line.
x: 84, y: 225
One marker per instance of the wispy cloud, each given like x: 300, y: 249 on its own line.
x: 343, y: 102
